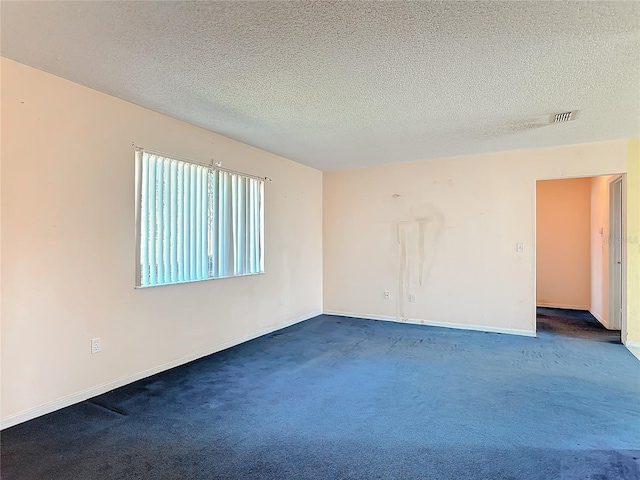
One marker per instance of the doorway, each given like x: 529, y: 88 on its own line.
x: 580, y: 255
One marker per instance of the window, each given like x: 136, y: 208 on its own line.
x: 196, y: 222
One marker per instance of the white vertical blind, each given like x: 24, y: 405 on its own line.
x: 196, y: 222
x: 174, y: 228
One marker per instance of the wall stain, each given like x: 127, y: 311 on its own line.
x: 417, y: 240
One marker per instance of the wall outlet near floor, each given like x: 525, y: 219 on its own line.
x: 519, y: 247
x: 96, y: 345
x: 412, y: 298
x: 279, y: 302
x: 387, y: 295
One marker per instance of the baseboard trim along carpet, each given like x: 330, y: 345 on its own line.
x: 69, y: 400
x: 600, y: 319
x: 564, y: 307
x: 634, y: 347
x: 457, y: 326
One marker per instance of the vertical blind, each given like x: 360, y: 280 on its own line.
x: 196, y: 222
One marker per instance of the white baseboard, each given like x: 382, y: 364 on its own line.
x: 600, y: 319
x: 458, y: 326
x: 77, y: 397
x: 563, y: 307
x: 634, y: 347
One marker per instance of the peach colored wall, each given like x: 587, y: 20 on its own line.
x: 445, y: 231
x: 563, y: 243
x: 600, y: 248
x: 68, y: 247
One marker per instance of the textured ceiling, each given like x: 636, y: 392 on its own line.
x: 346, y: 84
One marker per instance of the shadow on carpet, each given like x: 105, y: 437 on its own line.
x: 574, y: 323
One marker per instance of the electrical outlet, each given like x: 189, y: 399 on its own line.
x: 519, y: 247
x: 412, y: 298
x: 387, y: 295
x: 279, y: 301
x: 96, y: 345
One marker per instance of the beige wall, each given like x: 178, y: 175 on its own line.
x: 563, y: 243
x: 445, y: 231
x: 68, y: 247
x: 600, y: 248
x: 633, y: 246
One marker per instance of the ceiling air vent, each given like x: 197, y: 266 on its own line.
x: 564, y: 117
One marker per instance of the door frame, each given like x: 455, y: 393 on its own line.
x: 616, y: 177
x: 623, y: 254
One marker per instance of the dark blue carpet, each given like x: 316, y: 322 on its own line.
x: 342, y: 398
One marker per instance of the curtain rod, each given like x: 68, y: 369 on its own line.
x: 213, y: 165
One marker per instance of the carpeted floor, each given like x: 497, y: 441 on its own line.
x: 574, y: 323
x: 343, y: 398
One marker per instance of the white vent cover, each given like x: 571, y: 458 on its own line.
x: 563, y: 117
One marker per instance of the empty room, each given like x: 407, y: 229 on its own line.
x: 320, y: 240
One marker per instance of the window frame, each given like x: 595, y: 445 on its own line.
x: 211, y: 168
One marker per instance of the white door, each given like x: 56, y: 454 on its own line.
x: 616, y: 261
